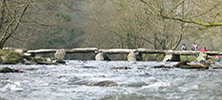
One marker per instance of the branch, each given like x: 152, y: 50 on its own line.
x: 70, y: 7
x: 190, y: 20
x: 133, y: 36
x: 177, y: 6
x: 215, y: 6
x: 21, y: 15
x: 5, y: 36
x: 150, y: 7
x: 193, y: 21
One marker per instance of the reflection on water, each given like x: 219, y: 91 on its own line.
x: 107, y: 81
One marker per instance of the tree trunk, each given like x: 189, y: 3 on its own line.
x: 15, y: 22
x: 3, y: 40
x: 179, y: 39
x: 2, y: 13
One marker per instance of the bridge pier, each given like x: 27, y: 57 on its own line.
x: 134, y: 56
x: 131, y: 56
x: 101, y: 57
x: 172, y: 57
x: 60, y: 54
x: 202, y: 57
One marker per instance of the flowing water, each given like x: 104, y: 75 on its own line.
x: 101, y: 80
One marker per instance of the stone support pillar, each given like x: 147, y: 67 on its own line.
x: 131, y: 56
x: 202, y: 57
x: 60, y: 54
x: 101, y: 57
x: 171, y: 57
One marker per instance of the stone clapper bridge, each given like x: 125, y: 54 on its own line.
x: 133, y: 54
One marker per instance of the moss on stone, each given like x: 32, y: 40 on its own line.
x: 10, y: 70
x: 13, y: 58
x: 38, y: 59
x: 6, y: 70
x: 46, y: 63
x: 207, y: 64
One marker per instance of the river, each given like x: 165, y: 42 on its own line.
x: 76, y: 81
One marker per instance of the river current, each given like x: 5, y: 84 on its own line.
x: 76, y: 80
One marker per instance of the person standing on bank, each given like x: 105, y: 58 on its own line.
x: 195, y: 47
x: 218, y: 57
x: 184, y: 48
x: 204, y: 49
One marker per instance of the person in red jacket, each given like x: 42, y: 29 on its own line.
x: 204, y: 49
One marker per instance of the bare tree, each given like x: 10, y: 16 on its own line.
x: 32, y: 21
x: 159, y: 24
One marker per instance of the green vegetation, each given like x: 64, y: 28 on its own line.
x: 13, y: 58
x: 153, y: 57
x: 188, y: 58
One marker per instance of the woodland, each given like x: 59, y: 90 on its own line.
x: 153, y: 24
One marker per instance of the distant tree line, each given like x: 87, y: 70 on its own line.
x: 154, y: 24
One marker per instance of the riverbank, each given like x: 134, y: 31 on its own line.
x: 16, y: 57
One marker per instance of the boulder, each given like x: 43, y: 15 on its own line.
x: 103, y: 83
x: 122, y: 67
x: 46, y: 63
x: 6, y: 70
x: 60, y: 61
x: 10, y: 70
x: 194, y: 67
x: 162, y: 66
x: 184, y: 62
x: 216, y: 65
